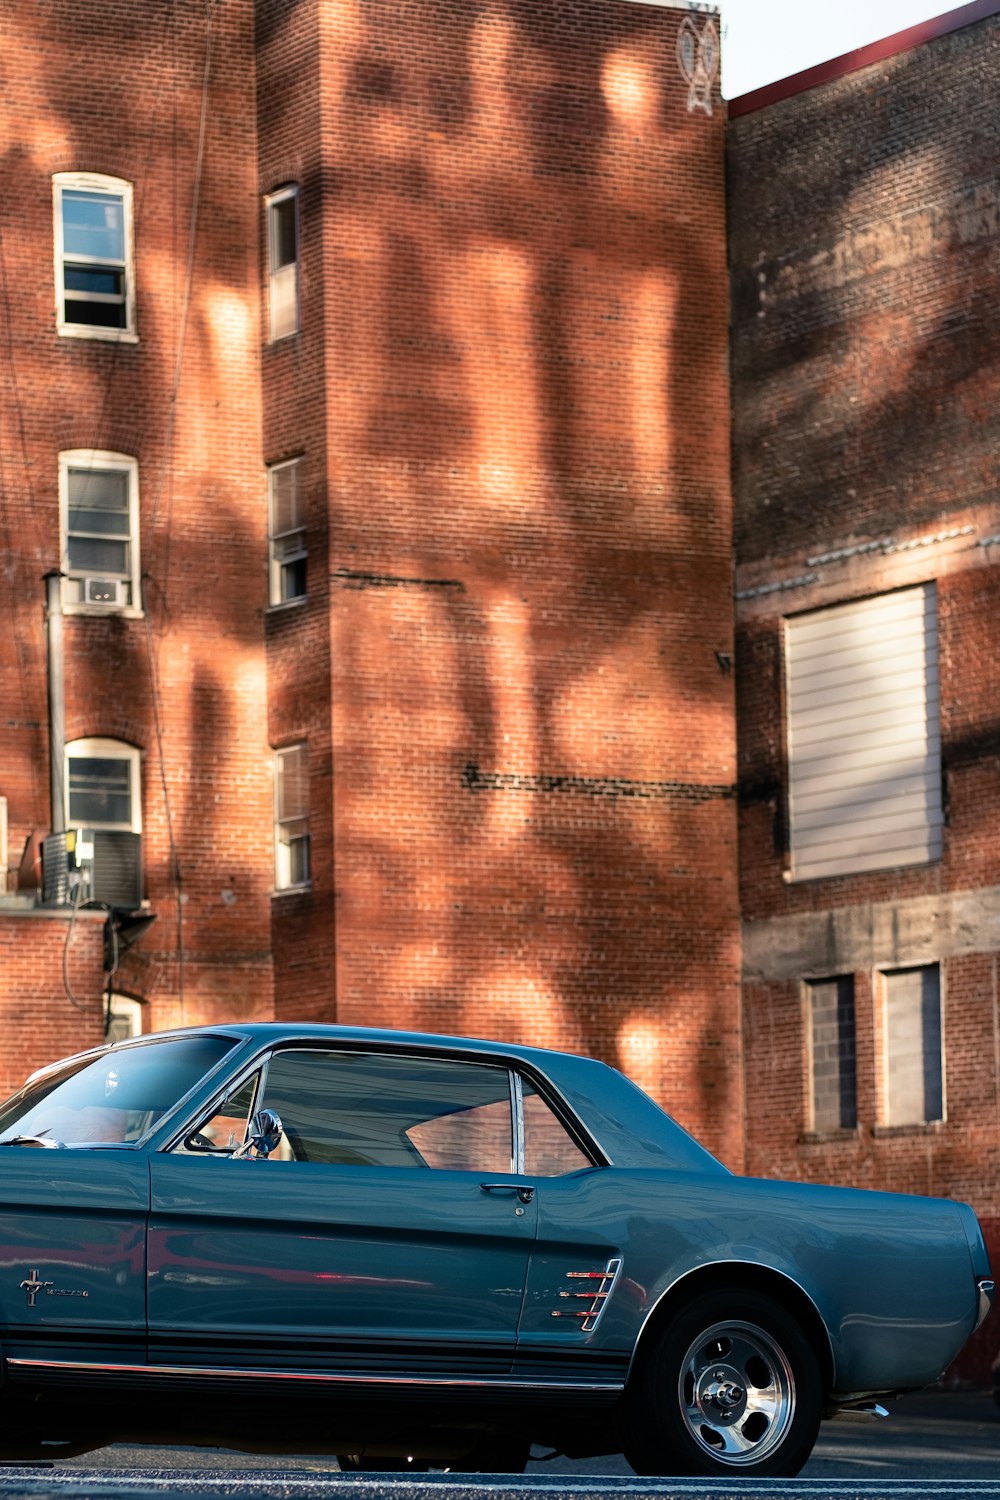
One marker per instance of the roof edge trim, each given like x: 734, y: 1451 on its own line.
x: 862, y: 57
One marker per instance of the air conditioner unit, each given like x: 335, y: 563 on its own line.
x: 55, y: 870
x: 116, y: 880
x: 111, y: 591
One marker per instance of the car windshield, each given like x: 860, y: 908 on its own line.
x: 111, y: 1099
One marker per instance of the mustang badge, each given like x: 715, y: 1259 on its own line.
x: 32, y: 1285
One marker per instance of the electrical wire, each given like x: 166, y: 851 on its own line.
x: 70, y: 996
x: 7, y: 529
x: 166, y: 471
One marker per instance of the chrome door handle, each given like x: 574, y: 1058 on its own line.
x: 524, y: 1192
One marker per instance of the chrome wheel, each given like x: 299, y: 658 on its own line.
x: 730, y: 1385
x: 736, y: 1391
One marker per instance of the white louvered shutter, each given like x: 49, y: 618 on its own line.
x: 864, y: 742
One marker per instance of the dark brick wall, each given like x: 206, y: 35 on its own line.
x: 864, y: 225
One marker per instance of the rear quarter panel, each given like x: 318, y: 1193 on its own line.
x: 891, y: 1276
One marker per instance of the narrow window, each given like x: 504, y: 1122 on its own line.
x: 864, y: 743
x: 832, y: 1051
x: 286, y: 533
x: 99, y: 514
x: 913, y: 1060
x: 93, y: 255
x: 291, y: 817
x: 283, y: 263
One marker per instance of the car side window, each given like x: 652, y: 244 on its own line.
x: 226, y: 1127
x: 549, y: 1149
x: 391, y: 1110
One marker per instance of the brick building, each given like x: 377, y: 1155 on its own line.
x: 130, y: 461
x: 365, y: 375
x: 864, y: 222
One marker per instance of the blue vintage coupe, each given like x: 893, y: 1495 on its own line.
x: 422, y: 1251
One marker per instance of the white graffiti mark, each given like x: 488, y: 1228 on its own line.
x: 698, y: 60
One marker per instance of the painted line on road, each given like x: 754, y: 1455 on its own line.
x: 35, y: 1480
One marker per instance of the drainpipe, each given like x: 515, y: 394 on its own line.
x: 57, y: 699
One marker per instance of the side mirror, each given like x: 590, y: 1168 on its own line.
x: 264, y: 1134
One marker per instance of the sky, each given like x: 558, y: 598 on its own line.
x: 768, y: 39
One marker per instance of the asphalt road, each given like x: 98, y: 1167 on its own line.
x: 943, y: 1445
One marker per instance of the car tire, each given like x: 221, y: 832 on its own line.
x: 731, y: 1387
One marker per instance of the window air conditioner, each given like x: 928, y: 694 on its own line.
x: 104, y: 591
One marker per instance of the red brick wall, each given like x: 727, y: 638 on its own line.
x: 864, y: 227
x: 509, y: 395
x: 514, y: 292
x: 39, y: 1020
x: 194, y: 427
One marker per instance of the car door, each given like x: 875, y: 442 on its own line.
x: 387, y: 1233
x: 74, y: 1199
x: 72, y: 1252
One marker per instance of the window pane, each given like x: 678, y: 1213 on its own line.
x: 98, y: 522
x: 89, y: 555
x: 834, y: 1082
x: 285, y: 512
x: 103, y: 282
x: 549, y: 1149
x: 115, y: 1097
x: 283, y: 302
x: 98, y: 489
x: 915, y: 1092
x: 283, y: 236
x: 96, y: 314
x: 99, y: 791
x: 289, y: 546
x: 293, y: 783
x: 293, y: 579
x: 361, y: 1110
x: 226, y: 1128
x: 298, y: 860
x: 93, y: 224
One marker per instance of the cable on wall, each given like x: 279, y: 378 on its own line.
x: 165, y: 475
x: 6, y: 526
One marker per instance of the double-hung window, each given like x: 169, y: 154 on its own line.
x: 291, y: 817
x: 99, y: 513
x: 282, y: 209
x: 286, y: 533
x: 95, y: 293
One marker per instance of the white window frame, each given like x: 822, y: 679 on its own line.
x: 282, y: 279
x: 282, y: 844
x: 73, y: 603
x: 112, y: 187
x: 277, y: 562
x: 128, y: 1009
x: 105, y: 749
